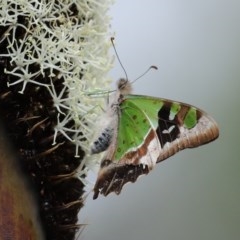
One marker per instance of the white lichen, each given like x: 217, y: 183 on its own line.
x: 76, y: 47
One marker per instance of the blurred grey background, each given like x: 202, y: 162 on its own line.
x: 196, y: 193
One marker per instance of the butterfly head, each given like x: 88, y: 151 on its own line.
x: 124, y: 86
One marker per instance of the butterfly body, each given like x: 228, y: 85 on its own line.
x: 142, y: 131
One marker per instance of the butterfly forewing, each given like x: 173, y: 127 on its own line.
x: 134, y: 128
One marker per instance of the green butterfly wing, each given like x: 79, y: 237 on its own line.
x: 149, y: 131
x: 138, y: 117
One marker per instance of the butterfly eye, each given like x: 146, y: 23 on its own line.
x: 124, y: 86
x: 122, y: 83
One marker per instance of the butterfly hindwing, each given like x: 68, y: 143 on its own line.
x: 149, y: 131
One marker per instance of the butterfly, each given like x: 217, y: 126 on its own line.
x: 140, y: 131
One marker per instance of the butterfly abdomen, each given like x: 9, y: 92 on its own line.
x: 103, y: 141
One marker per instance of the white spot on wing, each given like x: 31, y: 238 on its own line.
x: 172, y: 115
x: 169, y: 130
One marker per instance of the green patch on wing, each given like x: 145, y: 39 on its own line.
x: 138, y: 115
x: 190, y: 119
x: 174, y: 110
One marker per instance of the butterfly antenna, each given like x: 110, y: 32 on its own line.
x: 151, y: 67
x: 115, y: 50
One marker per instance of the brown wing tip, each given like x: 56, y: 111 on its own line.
x: 211, y: 132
